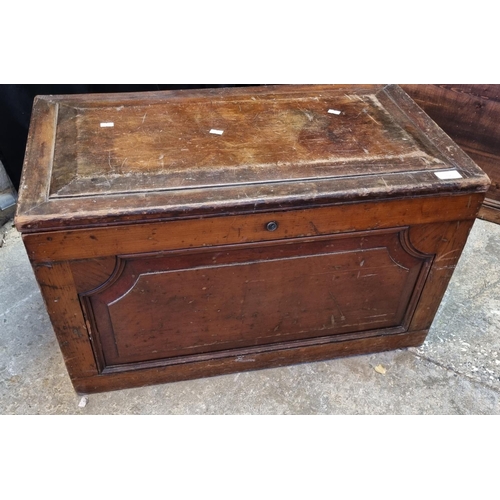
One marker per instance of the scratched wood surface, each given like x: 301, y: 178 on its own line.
x: 470, y: 115
x: 165, y: 252
x: 226, y: 298
x: 122, y: 158
x: 385, y: 270
x: 204, y: 143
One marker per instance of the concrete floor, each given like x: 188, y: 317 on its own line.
x: 457, y: 371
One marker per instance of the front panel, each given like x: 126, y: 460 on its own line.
x: 170, y: 305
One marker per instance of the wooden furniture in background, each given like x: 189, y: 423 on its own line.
x: 186, y: 234
x: 470, y: 115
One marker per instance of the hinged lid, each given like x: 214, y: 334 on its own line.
x: 117, y: 158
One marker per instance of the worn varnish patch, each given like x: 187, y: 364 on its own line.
x: 170, y: 145
x: 273, y: 147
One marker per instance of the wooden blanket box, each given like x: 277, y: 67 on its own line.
x: 185, y: 234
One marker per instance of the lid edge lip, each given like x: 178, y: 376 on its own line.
x: 48, y: 222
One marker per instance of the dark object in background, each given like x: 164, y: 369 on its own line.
x: 8, y: 199
x: 16, y: 102
x: 470, y: 115
x: 216, y: 231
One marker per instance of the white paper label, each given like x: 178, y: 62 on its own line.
x: 450, y: 174
x: 216, y: 132
x: 107, y: 124
x: 334, y: 112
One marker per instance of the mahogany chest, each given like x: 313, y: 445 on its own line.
x: 186, y: 234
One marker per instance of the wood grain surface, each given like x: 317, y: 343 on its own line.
x: 470, y: 115
x: 311, y: 223
x: 281, y: 146
x: 223, y: 298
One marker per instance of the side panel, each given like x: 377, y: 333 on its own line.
x: 446, y: 241
x: 65, y: 312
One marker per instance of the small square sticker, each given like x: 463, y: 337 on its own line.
x: 448, y: 175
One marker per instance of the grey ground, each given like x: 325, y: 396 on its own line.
x: 457, y: 371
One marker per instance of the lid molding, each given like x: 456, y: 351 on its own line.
x: 280, y: 146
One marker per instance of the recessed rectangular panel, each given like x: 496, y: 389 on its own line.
x: 171, y: 145
x: 214, y: 300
